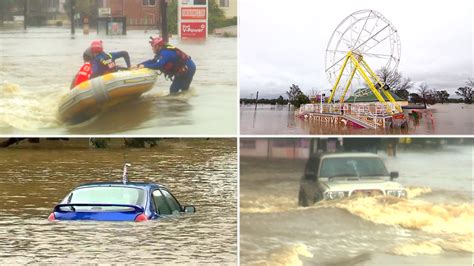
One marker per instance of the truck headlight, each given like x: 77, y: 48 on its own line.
x: 399, y: 193
x: 334, y: 194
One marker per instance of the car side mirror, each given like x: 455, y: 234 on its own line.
x: 189, y: 209
x: 393, y: 175
x: 310, y: 176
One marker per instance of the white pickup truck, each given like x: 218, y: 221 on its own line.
x: 338, y: 175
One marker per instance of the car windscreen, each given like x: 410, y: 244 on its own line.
x: 106, y: 195
x: 359, y: 167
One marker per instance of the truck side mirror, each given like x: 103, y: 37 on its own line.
x: 310, y: 176
x: 189, y: 209
x: 393, y: 175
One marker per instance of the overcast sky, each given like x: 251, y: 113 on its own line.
x: 281, y: 44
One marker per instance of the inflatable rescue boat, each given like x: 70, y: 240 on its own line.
x: 90, y: 97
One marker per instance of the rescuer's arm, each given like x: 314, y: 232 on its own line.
x: 122, y: 54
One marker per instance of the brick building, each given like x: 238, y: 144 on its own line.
x: 139, y: 13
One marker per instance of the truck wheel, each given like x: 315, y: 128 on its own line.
x: 302, y: 200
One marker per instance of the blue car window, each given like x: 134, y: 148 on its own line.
x: 112, y: 195
x: 172, y: 202
x: 160, y: 203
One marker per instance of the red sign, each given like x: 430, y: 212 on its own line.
x: 193, y: 29
x: 193, y: 13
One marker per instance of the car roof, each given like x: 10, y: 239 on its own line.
x: 345, y: 154
x: 120, y: 184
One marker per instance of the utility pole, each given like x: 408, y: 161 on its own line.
x: 164, y: 20
x: 256, y: 100
x: 73, y: 13
x: 321, y: 106
x: 25, y: 13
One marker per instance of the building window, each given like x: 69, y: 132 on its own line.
x: 248, y: 144
x: 284, y: 143
x: 200, y: 2
x: 224, y: 3
x: 149, y: 2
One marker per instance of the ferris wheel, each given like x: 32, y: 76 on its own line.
x: 363, y: 42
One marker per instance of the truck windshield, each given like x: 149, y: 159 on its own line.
x: 361, y: 167
x: 111, y: 195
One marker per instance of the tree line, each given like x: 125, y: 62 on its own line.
x: 401, y: 85
x: 99, y: 143
x: 398, y: 84
x: 296, y: 97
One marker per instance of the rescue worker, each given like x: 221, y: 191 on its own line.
x: 174, y: 63
x: 104, y: 63
x: 85, y: 72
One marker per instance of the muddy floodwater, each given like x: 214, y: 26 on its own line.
x: 437, y: 119
x: 37, y: 66
x: 202, y: 173
x: 433, y: 226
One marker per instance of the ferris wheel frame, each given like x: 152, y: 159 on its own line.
x: 359, y: 43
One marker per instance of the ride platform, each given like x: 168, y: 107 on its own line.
x: 359, y: 115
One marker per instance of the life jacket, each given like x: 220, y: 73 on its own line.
x: 107, y: 64
x: 178, y: 68
x: 84, y: 74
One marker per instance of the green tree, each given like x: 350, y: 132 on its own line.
x: 397, y: 83
x: 172, y: 16
x: 424, y: 92
x: 415, y: 98
x: 280, y: 100
x: 301, y: 99
x: 216, y: 15
x: 296, y: 97
x: 466, y: 93
x: 140, y: 142
x: 442, y: 96
x: 99, y: 143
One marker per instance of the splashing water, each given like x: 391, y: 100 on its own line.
x: 413, y: 214
x: 287, y: 255
x: 267, y: 204
x: 36, y: 111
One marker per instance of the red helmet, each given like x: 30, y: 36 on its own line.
x: 157, y: 41
x: 96, y: 46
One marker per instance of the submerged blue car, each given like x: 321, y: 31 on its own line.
x: 118, y: 201
x: 115, y: 201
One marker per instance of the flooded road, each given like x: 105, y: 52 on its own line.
x: 202, y: 173
x: 434, y: 225
x: 36, y: 69
x: 438, y: 119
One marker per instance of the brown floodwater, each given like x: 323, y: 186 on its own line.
x: 433, y: 226
x: 198, y: 172
x: 441, y: 119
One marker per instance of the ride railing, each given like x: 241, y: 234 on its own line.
x: 369, y: 115
x: 350, y: 109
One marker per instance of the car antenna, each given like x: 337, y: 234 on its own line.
x: 125, y: 173
x: 125, y: 168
